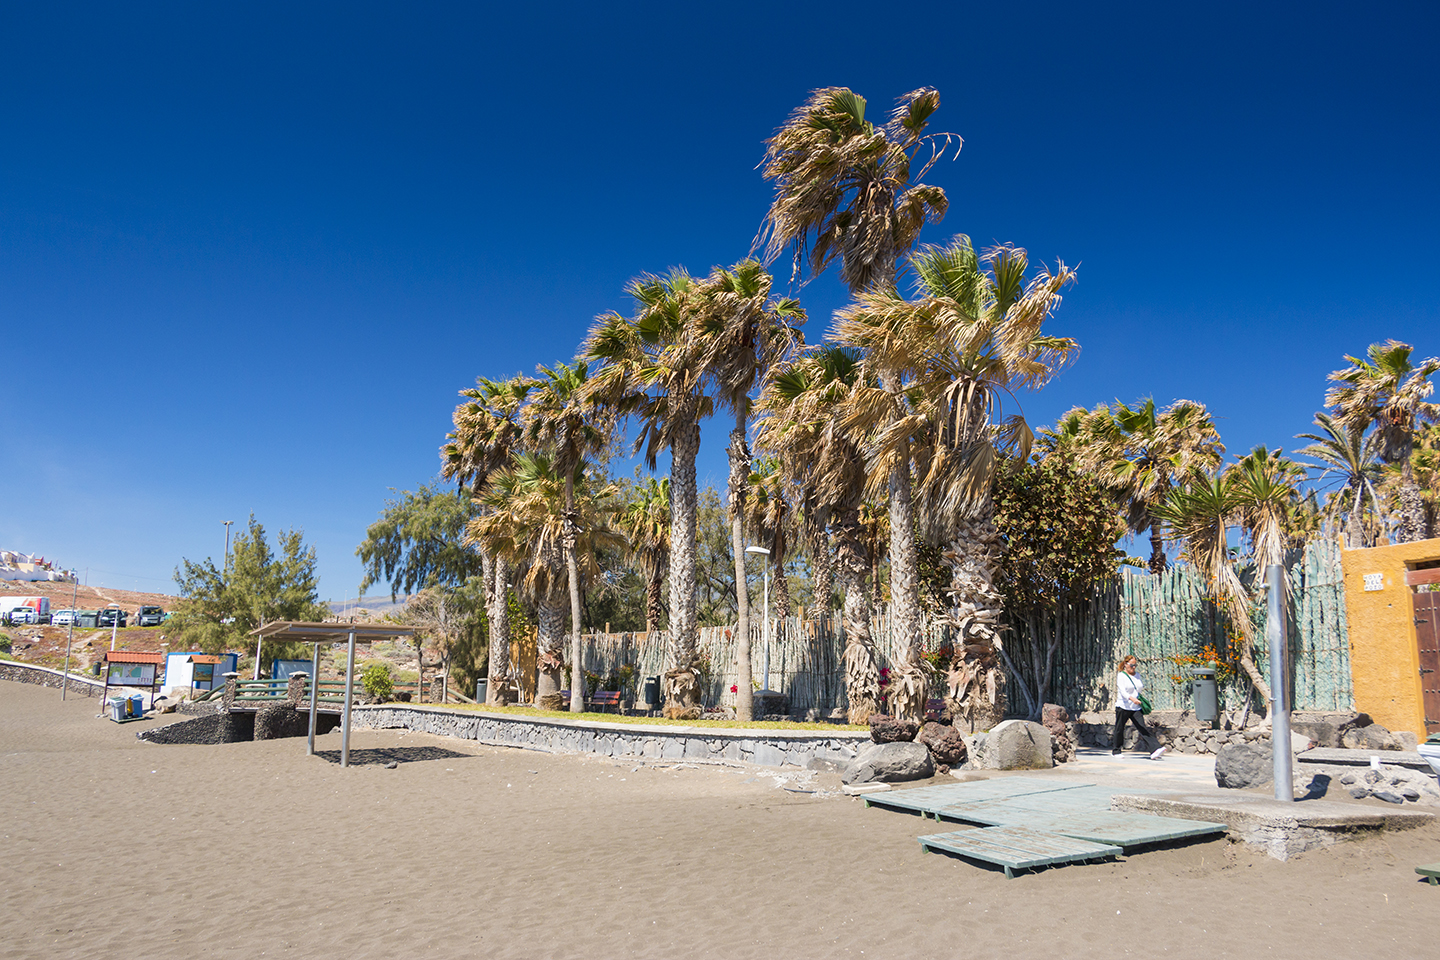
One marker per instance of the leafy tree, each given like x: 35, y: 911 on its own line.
x: 645, y: 522
x: 419, y: 542
x: 219, y: 607
x: 1352, y: 457
x: 1058, y: 530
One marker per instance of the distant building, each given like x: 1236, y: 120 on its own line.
x: 22, y: 566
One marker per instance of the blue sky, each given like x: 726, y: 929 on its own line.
x: 249, y: 253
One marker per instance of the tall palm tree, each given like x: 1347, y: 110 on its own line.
x: 1390, y: 392
x: 843, y: 190
x: 1267, y: 491
x: 1141, y: 453
x: 1353, y: 457
x: 486, y: 436
x: 562, y: 418
x: 801, y: 419
x: 743, y: 332
x: 972, y: 334
x: 645, y: 522
x: 653, y: 369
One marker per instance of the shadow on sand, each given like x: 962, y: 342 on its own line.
x: 384, y: 755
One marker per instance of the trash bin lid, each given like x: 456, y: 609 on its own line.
x: 1202, y: 672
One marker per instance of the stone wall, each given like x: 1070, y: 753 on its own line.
x: 770, y: 748
x: 1182, y: 733
x: 46, y: 677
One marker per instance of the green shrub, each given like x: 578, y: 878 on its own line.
x: 377, y: 682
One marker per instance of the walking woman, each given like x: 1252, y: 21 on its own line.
x: 1128, y: 688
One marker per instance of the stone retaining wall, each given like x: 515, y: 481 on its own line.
x: 770, y: 748
x: 46, y: 677
x: 1182, y: 733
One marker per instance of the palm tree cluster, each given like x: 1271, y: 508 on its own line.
x: 886, y: 433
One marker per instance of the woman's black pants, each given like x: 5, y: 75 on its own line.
x: 1135, y: 717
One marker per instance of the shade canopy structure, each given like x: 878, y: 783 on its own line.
x: 298, y: 630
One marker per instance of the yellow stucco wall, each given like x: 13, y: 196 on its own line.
x: 1384, y: 659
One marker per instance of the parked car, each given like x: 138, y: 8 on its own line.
x: 22, y: 615
x: 107, y: 618
x: 63, y: 618
x: 149, y: 617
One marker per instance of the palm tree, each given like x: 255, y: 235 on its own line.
x: 1199, y: 517
x: 653, y: 369
x: 1267, y: 492
x: 1141, y: 453
x: 743, y: 332
x: 973, y: 333
x: 843, y: 191
x: 1351, y: 456
x: 842, y: 185
x: 801, y: 412
x: 486, y: 436
x: 645, y: 522
x: 1388, y: 391
x: 562, y: 418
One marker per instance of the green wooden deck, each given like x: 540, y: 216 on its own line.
x: 929, y: 800
x: 1017, y: 848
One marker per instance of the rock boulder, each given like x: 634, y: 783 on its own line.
x: 886, y: 729
x: 1244, y: 765
x: 890, y: 763
x: 1056, y: 719
x: 1012, y: 745
x: 945, y: 743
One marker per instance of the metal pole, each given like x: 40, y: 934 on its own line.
x: 65, y: 677
x: 258, y: 641
x: 314, y: 697
x: 349, y: 687
x: 114, y: 624
x: 1275, y: 633
x: 226, y: 561
x: 766, y: 632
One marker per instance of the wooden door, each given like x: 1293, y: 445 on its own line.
x: 1427, y: 637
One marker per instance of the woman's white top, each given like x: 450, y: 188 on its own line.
x: 1127, y: 691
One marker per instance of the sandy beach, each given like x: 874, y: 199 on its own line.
x: 115, y: 847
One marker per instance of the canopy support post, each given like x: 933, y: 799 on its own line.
x: 349, y: 690
x: 314, y: 697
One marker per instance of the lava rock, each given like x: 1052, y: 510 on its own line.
x: 886, y: 729
x: 1373, y: 737
x: 1389, y: 796
x: 890, y: 763
x: 945, y: 743
x: 1056, y: 719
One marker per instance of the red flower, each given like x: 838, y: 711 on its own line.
x: 734, y: 688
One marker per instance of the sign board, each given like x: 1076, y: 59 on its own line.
x: 1374, y: 581
x: 132, y: 675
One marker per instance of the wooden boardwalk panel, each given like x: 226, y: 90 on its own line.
x: 1017, y: 848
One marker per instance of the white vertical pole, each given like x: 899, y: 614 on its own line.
x: 314, y: 697
x: 349, y: 688
x: 69, y: 637
x: 766, y: 632
x: 1276, y: 633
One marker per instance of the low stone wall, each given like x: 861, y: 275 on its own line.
x: 770, y: 748
x: 46, y: 677
x: 1182, y: 733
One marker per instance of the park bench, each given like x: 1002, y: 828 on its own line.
x: 605, y: 700
x: 1431, y: 872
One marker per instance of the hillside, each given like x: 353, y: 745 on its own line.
x: 89, y: 598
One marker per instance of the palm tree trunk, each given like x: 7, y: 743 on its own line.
x: 572, y: 570
x: 1412, y: 509
x: 1157, y: 548
x: 682, y: 692
x: 739, y: 470
x: 499, y: 612
x: 780, y: 587
x: 978, y: 683
x: 654, y: 601
x: 822, y: 575
x: 550, y: 639
x: 1354, y: 531
x: 904, y: 596
x: 862, y: 670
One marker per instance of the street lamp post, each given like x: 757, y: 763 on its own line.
x: 765, y: 630
x: 69, y: 638
x: 114, y: 624
x: 226, y: 561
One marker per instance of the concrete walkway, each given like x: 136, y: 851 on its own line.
x: 1183, y: 785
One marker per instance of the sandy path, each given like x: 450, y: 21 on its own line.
x: 114, y: 847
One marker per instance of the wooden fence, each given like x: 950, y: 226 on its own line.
x: 1155, y: 618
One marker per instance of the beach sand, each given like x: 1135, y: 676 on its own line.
x: 118, y: 848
